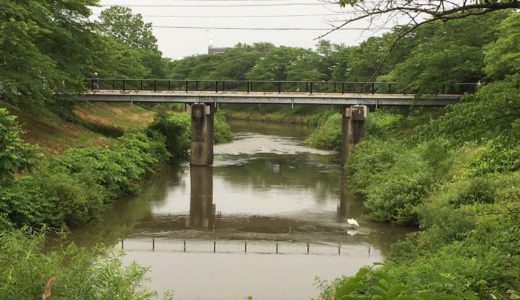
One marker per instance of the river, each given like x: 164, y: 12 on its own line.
x: 265, y: 221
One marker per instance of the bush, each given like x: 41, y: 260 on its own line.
x: 75, y: 188
x: 176, y: 127
x: 222, y: 129
x: 15, y: 155
x: 75, y: 273
x: 328, y: 135
x: 496, y: 156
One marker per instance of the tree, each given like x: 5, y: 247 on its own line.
x: 120, y: 23
x: 43, y: 48
x: 443, y: 54
x: 502, y: 57
x: 419, y: 12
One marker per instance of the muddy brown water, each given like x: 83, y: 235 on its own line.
x: 265, y: 221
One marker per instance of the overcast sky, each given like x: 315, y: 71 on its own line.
x: 181, y: 42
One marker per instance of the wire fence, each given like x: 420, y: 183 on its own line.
x: 232, y: 246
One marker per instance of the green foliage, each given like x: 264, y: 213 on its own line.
x: 503, y: 56
x: 176, y: 128
x: 370, y: 283
x: 328, y: 134
x: 467, y: 210
x: 76, y: 187
x: 27, y: 267
x: 496, y: 156
x: 127, y: 28
x: 443, y: 54
x: 15, y: 154
x: 135, y: 38
x: 493, y: 112
x: 222, y: 131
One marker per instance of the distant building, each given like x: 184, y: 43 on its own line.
x: 215, y: 50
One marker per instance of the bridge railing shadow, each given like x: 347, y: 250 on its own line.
x: 269, y: 86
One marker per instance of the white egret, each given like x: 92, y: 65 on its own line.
x: 352, y: 223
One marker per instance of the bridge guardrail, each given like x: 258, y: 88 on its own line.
x: 284, y: 86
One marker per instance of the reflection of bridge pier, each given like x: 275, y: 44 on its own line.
x: 344, y: 204
x: 202, y: 209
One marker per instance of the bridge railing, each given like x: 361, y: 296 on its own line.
x: 250, y: 86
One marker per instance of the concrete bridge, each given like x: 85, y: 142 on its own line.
x: 203, y: 96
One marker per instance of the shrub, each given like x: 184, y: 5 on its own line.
x: 222, y: 129
x: 176, y: 128
x: 15, y: 154
x: 496, y: 156
x: 76, y: 273
x: 328, y: 135
x: 75, y: 188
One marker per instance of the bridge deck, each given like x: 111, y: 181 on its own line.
x: 268, y: 98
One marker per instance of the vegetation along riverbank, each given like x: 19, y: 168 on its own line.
x: 454, y: 172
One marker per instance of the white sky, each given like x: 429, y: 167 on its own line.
x: 176, y: 43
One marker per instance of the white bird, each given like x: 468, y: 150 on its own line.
x: 352, y: 223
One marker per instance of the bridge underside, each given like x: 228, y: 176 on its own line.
x: 353, y: 108
x: 269, y: 98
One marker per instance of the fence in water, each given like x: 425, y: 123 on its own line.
x: 232, y: 246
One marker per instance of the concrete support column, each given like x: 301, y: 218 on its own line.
x: 352, y: 128
x: 201, y: 134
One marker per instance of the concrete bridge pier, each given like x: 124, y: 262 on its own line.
x: 352, y: 128
x: 202, y: 116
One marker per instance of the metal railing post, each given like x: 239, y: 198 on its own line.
x: 141, y: 85
x: 197, y: 85
x: 279, y: 87
x: 216, y: 86
x: 155, y: 85
x: 373, y: 87
x: 343, y: 88
x: 186, y: 87
x: 311, y: 86
x: 124, y: 87
x: 169, y: 85
x: 247, y: 83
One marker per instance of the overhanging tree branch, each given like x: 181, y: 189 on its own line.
x: 417, y: 13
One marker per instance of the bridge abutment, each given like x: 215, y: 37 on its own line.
x: 352, y: 128
x: 202, y: 120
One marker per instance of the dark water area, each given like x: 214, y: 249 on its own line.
x: 221, y: 227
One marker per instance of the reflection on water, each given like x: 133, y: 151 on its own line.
x: 202, y: 209
x: 264, y: 186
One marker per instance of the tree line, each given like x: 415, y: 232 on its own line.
x: 49, y: 47
x: 434, y: 56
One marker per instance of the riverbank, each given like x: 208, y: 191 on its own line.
x: 456, y: 177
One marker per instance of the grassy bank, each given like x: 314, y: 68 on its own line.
x: 456, y: 177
